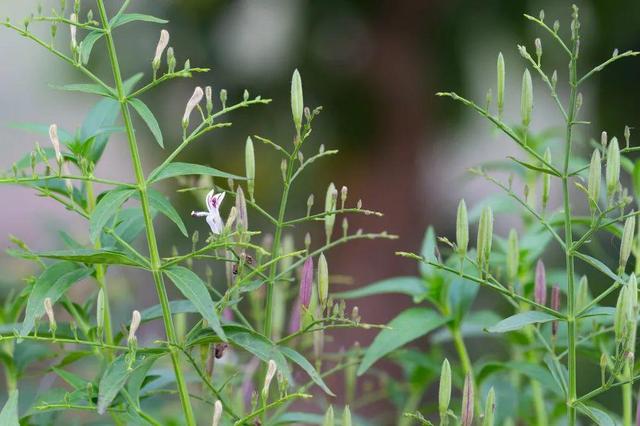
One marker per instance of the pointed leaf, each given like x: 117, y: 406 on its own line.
x: 176, y: 306
x: 105, y: 209
x: 600, y: 417
x: 160, y: 203
x: 136, y: 379
x: 9, y: 413
x: 87, y: 43
x: 194, y: 289
x: 92, y: 256
x: 72, y: 379
x: 306, y: 366
x: 93, y: 89
x: 183, y: 169
x: 148, y: 117
x: 125, y: 18
x: 428, y: 252
x: 409, y: 325
x: 112, y: 381
x: 102, y: 115
x: 53, y: 283
x: 521, y: 320
x: 598, y: 265
x: 411, y: 286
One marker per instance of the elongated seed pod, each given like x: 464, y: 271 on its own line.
x: 329, y: 206
x: 444, y: 391
x: 500, y: 89
x: 540, y: 284
x: 513, y: 256
x: 462, y: 229
x: 613, y: 167
x: 526, y: 100
x: 466, y: 417
x: 546, y: 181
x: 250, y: 166
x: 489, y: 408
x: 485, y: 236
x: 582, y: 297
x: 323, y: 280
x: 593, y: 185
x: 627, y: 240
x: 297, y: 101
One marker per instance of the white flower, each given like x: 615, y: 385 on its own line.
x: 72, y: 28
x: 195, y: 100
x: 271, y: 372
x: 217, y: 413
x: 162, y: 44
x: 53, y: 135
x: 135, y: 323
x: 213, y: 214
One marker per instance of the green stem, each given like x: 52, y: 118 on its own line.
x: 467, y: 367
x: 569, y: 256
x: 627, y: 398
x: 148, y: 220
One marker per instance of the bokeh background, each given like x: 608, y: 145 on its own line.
x: 373, y: 65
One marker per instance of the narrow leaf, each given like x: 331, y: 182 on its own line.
x: 9, y: 413
x: 92, y: 256
x: 125, y: 18
x: 160, y: 202
x: 518, y: 321
x: 411, y: 286
x: 87, y: 45
x: 112, y: 381
x: 105, y: 209
x: 148, y: 117
x: 93, y: 89
x: 194, y: 289
x: 600, y: 417
x: 598, y: 265
x: 183, y: 169
x: 306, y: 366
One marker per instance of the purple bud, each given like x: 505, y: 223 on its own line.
x: 294, y: 321
x: 227, y: 314
x: 306, y: 282
x: 540, y: 289
x: 467, y: 401
x: 555, y: 305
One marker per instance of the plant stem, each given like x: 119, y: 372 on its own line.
x: 148, y: 220
x: 569, y: 257
x: 467, y: 366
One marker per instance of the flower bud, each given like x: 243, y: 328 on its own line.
x: 48, y: 309
x: 620, y: 317
x: 208, y: 95
x: 217, y: 413
x: 100, y: 309
x: 309, y: 204
x: 53, y: 135
x: 513, y: 256
x: 444, y: 390
x: 485, y: 236
x: 538, y: 45
x: 546, y: 181
x: 627, y: 135
x: 242, y: 222
x: 171, y: 60
x: 73, y: 29
x: 133, y: 328
x: 306, y: 282
x: 613, y: 167
x: 554, y: 79
x: 593, y: 185
x: 500, y: 89
x: 329, y: 206
x: 193, y: 102
x: 466, y: 417
x: 231, y: 219
x: 223, y: 98
x: 346, y: 416
x: 271, y: 372
x: 323, y: 280
x: 627, y: 240
x: 582, y: 296
x: 489, y: 408
x: 345, y: 227
x: 540, y: 284
x: 343, y: 196
x: 526, y: 100
x: 541, y: 15
x: 462, y: 229
x: 307, y: 241
x: 163, y: 42
x: 578, y: 102
x: 329, y: 419
x: 250, y: 167
x: 297, y: 102
x: 556, y: 26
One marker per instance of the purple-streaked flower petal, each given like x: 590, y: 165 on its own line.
x: 540, y: 285
x: 306, y: 282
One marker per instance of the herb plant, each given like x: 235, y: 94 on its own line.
x: 232, y: 365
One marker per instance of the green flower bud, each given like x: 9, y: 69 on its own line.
x: 223, y: 98
x: 619, y: 321
x: 582, y: 297
x: 604, y: 139
x: 485, y: 236
x: 556, y: 26
x: 309, y: 204
x: 546, y: 181
x: 323, y: 279
x: 627, y: 241
x: 513, y: 256
x: 208, y: 94
x: 613, y: 167
x: 330, y: 205
x: 501, y: 76
x: 100, y: 308
x: 627, y: 135
x: 526, y: 100
x: 171, y: 60
x: 329, y: 417
x: 462, y: 229
x: 554, y: 79
x: 297, y: 102
x: 346, y: 416
x: 593, y: 186
x: 489, y: 408
x: 444, y: 391
x: 250, y: 166
x: 538, y: 45
x: 245, y: 95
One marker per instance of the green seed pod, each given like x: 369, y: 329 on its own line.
x: 513, y: 256
x: 526, y: 100
x: 613, y: 167
x: 444, y: 391
x: 489, y: 408
x: 100, y: 308
x: 297, y: 102
x: 323, y: 279
x: 582, y: 297
x: 329, y: 417
x: 462, y: 229
x: 593, y: 186
x: 250, y: 167
x: 546, y: 181
x: 619, y: 321
x: 485, y: 236
x: 346, y: 416
x: 627, y: 241
x: 500, y: 92
x: 329, y: 206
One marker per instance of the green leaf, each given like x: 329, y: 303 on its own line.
x: 541, y: 169
x: 53, y: 282
x: 93, y: 89
x: 176, y: 306
x: 597, y: 415
x: 128, y: 225
x: 428, y: 252
x: 105, y: 209
x: 137, y: 378
x: 532, y: 371
x: 148, y: 117
x: 112, y: 381
x: 306, y: 366
x: 409, y: 325
x: 518, y: 321
x: 598, y: 265
x: 102, y: 115
x: 300, y: 418
x: 558, y: 372
x: 92, y: 256
x: 131, y: 82
x: 194, y: 289
x: 9, y: 413
x: 87, y: 45
x: 125, y: 18
x: 183, y: 169
x: 411, y: 286
x: 160, y: 202
x: 72, y: 379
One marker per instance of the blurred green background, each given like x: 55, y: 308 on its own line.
x: 373, y: 65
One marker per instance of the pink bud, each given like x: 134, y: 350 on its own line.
x: 306, y: 282
x: 555, y: 305
x: 227, y: 314
x: 540, y: 288
x: 294, y: 321
x: 467, y: 401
